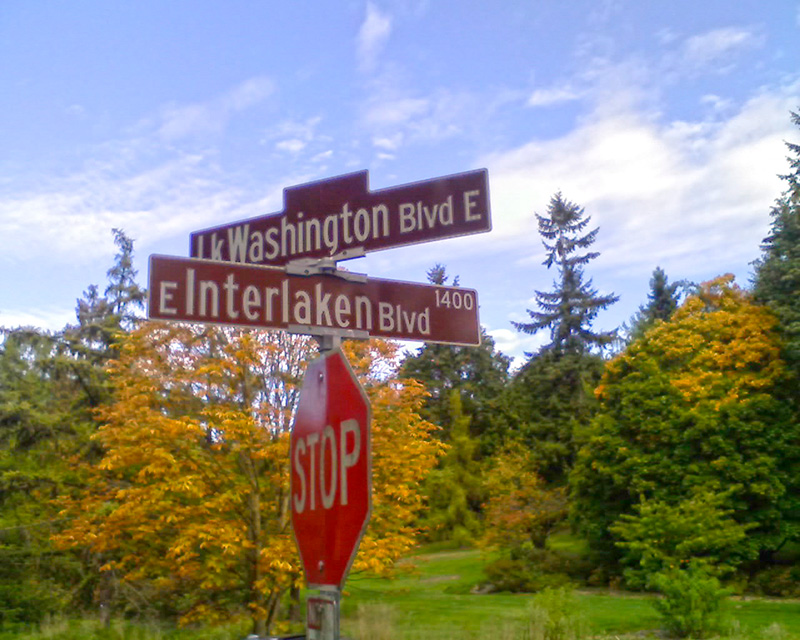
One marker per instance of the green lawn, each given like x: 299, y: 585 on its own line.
x: 432, y: 600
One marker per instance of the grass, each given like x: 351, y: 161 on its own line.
x: 431, y: 599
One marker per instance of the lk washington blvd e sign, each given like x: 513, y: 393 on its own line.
x: 342, y: 217
x: 225, y: 293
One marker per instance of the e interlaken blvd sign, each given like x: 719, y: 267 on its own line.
x: 226, y: 293
x: 341, y: 216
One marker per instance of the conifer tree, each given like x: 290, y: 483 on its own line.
x: 662, y: 301
x: 551, y: 395
x: 479, y: 373
x: 454, y: 489
x: 568, y: 310
x: 777, y: 275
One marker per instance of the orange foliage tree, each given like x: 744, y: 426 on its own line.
x: 697, y: 403
x: 521, y: 510
x: 189, y: 504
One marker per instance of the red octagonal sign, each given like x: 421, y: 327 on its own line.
x: 330, y: 454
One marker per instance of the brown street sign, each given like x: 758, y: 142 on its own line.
x: 225, y: 293
x: 340, y: 216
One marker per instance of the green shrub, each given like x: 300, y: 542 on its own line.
x: 532, y: 569
x: 783, y: 582
x: 554, y: 615
x: 520, y: 575
x: 692, y: 602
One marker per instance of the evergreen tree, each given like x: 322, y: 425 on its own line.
x: 479, y: 374
x: 777, y: 275
x: 568, y: 310
x: 454, y: 490
x: 662, y: 301
x: 551, y: 399
x: 50, y: 385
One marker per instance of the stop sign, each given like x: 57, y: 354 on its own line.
x: 330, y: 458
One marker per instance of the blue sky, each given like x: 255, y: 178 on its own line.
x: 666, y: 121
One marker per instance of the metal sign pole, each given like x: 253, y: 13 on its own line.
x: 323, y: 615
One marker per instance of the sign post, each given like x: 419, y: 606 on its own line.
x: 331, y: 483
x: 279, y: 272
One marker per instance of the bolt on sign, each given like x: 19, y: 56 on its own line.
x: 226, y: 293
x: 341, y: 215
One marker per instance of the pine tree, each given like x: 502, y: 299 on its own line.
x: 478, y: 373
x: 777, y: 275
x: 454, y: 489
x: 568, y: 310
x: 550, y: 399
x: 662, y: 301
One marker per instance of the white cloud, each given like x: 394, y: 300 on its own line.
x: 516, y: 344
x: 388, y: 110
x: 554, y: 95
x: 663, y: 192
x: 49, y: 319
x: 292, y: 146
x: 715, y: 49
x: 70, y: 219
x: 372, y: 37
x: 388, y: 143
x: 181, y: 121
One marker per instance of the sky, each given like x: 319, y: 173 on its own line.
x: 665, y: 121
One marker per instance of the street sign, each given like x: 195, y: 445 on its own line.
x: 330, y: 457
x: 226, y: 293
x: 342, y: 217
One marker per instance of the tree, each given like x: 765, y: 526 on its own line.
x: 695, y: 404
x: 478, y: 373
x: 190, y: 503
x: 777, y: 273
x: 454, y: 490
x: 662, y: 301
x: 661, y: 535
x: 50, y: 383
x: 548, y: 406
x: 520, y: 510
x: 569, y: 310
x: 550, y: 399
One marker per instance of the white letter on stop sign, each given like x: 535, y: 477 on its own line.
x: 340, y: 460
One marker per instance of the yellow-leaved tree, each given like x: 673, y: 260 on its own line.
x: 189, y: 504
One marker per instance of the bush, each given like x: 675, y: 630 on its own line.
x: 692, y: 603
x: 783, y: 582
x: 531, y: 570
x: 553, y: 616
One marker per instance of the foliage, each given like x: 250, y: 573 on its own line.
x: 547, y: 407
x: 404, y: 451
x: 479, y: 374
x: 190, y: 503
x: 691, y: 405
x: 530, y: 570
x: 521, y: 511
x: 662, y: 301
x: 49, y: 385
x: 569, y: 310
x: 697, y: 530
x: 454, y: 490
x: 777, y: 274
x: 554, y: 615
x: 778, y: 581
x: 693, y: 601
